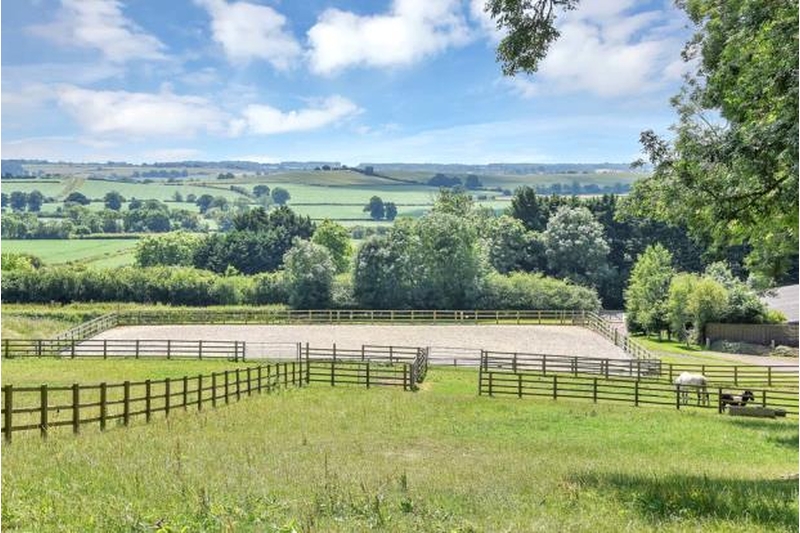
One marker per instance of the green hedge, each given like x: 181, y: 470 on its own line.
x: 193, y: 287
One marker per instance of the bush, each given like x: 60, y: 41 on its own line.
x: 534, y: 291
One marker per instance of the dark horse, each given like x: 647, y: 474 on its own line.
x: 733, y: 399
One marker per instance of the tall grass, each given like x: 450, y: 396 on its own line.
x: 441, y: 459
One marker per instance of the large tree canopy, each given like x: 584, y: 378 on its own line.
x: 730, y: 173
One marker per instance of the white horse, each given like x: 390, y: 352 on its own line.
x: 687, y: 381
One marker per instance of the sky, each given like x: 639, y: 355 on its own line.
x: 412, y: 81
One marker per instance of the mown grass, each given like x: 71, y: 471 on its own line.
x: 441, y: 459
x: 671, y: 351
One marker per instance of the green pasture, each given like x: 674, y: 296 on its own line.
x: 32, y: 372
x: 441, y: 459
x: 46, y: 187
x: 55, y: 251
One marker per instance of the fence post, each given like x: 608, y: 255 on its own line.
x: 185, y: 392
x: 769, y: 376
x: 126, y: 403
x: 147, y: 390
x: 169, y: 349
x: 8, y: 399
x: 103, y: 405
x: 269, y: 378
x: 606, y: 361
x: 720, y: 407
x: 136, y: 354
x: 636, y: 393
x: 213, y: 389
x: 238, y: 386
x: 763, y: 398
x: 73, y: 348
x: 480, y: 372
x: 519, y: 385
x: 199, y: 392
x: 678, y: 397
x: 333, y: 383
x: 367, y: 374
x: 76, y: 408
x: 43, y: 411
x: 249, y: 382
x: 736, y: 375
x: 227, y: 397
x: 514, y: 363
x: 200, y: 350
x: 490, y: 384
x: 5, y: 349
x: 555, y: 386
x: 391, y: 353
x: 166, y: 397
x: 544, y: 365
x: 594, y: 390
x: 105, y: 349
x: 258, y: 377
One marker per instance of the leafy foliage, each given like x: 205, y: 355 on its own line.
x: 648, y: 289
x: 734, y: 179
x: 309, y: 273
x: 336, y: 239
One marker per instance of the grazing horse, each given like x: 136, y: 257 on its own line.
x: 733, y: 399
x: 688, y: 380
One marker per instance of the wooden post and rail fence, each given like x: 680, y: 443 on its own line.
x: 531, y: 375
x: 589, y: 319
x: 46, y: 407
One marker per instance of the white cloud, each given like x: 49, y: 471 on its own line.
x: 165, y: 114
x: 266, y: 120
x: 100, y: 24
x: 410, y: 32
x: 141, y: 114
x: 248, y: 31
x: 606, y: 51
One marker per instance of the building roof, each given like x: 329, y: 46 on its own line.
x: 784, y: 299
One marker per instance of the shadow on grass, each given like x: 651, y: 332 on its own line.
x: 769, y: 502
x: 780, y: 434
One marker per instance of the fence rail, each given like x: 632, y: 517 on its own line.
x: 91, y: 328
x: 639, y: 369
x: 135, y: 348
x: 46, y: 407
x: 629, y: 391
x: 334, y: 316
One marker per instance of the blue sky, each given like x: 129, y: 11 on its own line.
x: 271, y: 80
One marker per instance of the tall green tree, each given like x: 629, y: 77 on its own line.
x: 309, y: 273
x: 113, y: 200
x: 648, y: 290
x: 336, y: 239
x: 375, y: 208
x: 35, y: 201
x: 575, y: 246
x: 280, y: 195
x: 731, y: 172
x: 734, y: 179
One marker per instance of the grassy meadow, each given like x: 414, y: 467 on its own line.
x: 55, y: 251
x: 441, y: 459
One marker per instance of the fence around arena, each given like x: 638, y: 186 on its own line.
x: 785, y: 376
x: 589, y: 319
x: 134, y: 348
x: 630, y: 391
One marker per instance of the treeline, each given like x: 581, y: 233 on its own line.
x: 661, y: 298
x: 190, y: 286
x: 150, y: 216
